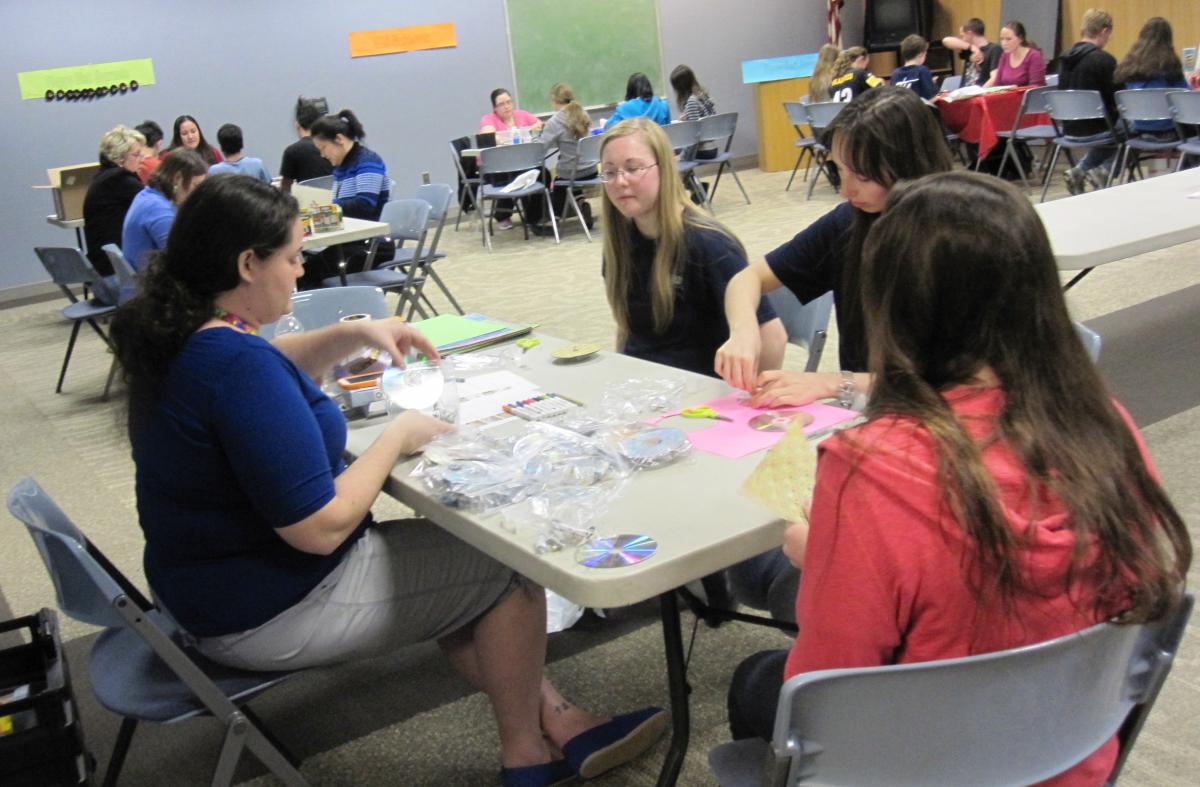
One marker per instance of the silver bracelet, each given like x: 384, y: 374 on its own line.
x: 847, y: 390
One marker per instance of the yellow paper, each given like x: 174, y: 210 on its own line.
x: 34, y: 84
x: 366, y: 43
x: 783, y: 480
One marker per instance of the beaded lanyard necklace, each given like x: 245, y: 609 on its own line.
x: 235, y: 321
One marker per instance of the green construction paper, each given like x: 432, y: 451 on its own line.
x: 446, y: 329
x: 34, y: 84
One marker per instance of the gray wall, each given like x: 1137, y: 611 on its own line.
x: 246, y: 62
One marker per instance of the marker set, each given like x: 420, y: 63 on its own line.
x: 539, y: 408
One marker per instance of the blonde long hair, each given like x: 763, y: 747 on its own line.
x: 578, y: 121
x: 846, y: 59
x: 822, y: 75
x: 674, y: 213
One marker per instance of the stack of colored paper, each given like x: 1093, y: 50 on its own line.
x: 454, y: 333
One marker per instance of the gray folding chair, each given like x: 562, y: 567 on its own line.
x: 820, y: 115
x: 326, y: 306
x: 798, y: 117
x: 718, y: 130
x: 1185, y: 111
x: 952, y: 82
x: 408, y: 220
x: 1091, y: 341
x: 140, y: 667
x: 468, y: 185
x: 1051, y: 80
x: 589, y: 158
x: 1147, y: 104
x: 508, y: 159
x: 807, y: 324
x: 127, y: 276
x: 438, y: 195
x: 1032, y: 103
x: 966, y: 720
x: 68, y: 267
x: 684, y: 136
x: 1065, y: 106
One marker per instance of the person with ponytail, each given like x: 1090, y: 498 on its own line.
x: 850, y: 75
x: 360, y: 179
x: 563, y: 130
x: 259, y: 537
x: 997, y: 496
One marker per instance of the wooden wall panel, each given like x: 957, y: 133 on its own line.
x: 1128, y: 18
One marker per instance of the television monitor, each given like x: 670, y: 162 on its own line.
x: 888, y: 22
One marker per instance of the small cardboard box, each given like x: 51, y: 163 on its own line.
x: 68, y: 186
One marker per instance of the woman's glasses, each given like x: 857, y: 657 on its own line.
x: 630, y: 173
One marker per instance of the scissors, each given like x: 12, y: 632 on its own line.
x: 703, y: 411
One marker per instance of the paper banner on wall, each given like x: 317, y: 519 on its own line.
x: 366, y: 43
x: 34, y: 84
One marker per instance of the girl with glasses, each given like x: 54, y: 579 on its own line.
x: 666, y: 263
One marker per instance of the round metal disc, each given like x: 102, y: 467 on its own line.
x: 773, y: 421
x: 616, y: 551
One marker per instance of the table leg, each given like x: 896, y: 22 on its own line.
x: 668, y: 605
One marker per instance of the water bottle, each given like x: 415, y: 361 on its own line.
x: 446, y: 408
x: 516, y: 136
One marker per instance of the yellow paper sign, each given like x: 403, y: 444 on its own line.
x: 366, y: 43
x: 34, y: 84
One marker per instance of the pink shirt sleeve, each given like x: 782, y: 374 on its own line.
x: 1037, y: 68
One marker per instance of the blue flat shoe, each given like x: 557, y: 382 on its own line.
x: 616, y: 742
x: 547, y: 774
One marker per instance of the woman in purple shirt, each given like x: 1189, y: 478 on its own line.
x: 1021, y: 63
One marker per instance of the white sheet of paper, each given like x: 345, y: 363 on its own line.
x: 481, y: 399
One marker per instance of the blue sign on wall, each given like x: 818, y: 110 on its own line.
x: 773, y: 69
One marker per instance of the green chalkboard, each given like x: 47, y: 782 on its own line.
x: 592, y: 45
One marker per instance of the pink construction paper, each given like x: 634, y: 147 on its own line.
x: 735, y: 438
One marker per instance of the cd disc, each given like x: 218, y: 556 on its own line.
x: 773, y: 421
x: 653, y: 444
x: 616, y: 551
x: 470, y: 471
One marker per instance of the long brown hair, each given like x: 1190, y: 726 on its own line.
x: 578, y: 121
x: 886, y: 135
x: 822, y: 75
x: 1152, y: 55
x: 959, y: 279
x: 674, y: 212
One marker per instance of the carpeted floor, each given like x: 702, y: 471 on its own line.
x: 405, y: 719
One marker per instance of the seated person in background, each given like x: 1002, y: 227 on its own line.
x: 850, y: 75
x: 1021, y: 63
x: 666, y: 263
x: 980, y: 56
x: 151, y: 158
x: 360, y: 179
x: 640, y: 101
x: 694, y: 104
x: 818, y: 83
x: 914, y: 74
x: 150, y: 216
x: 229, y: 137
x: 505, y: 116
x: 563, y: 130
x: 301, y: 159
x: 886, y: 136
x: 996, y: 497
x: 1152, y: 62
x: 188, y: 135
x: 259, y: 538
x: 1086, y: 66
x: 111, y: 192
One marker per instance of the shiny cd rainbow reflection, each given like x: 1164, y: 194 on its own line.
x: 773, y: 421
x: 616, y: 551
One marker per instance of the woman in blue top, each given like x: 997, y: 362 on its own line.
x: 259, y: 538
x: 360, y: 179
x: 641, y: 101
x: 1152, y: 62
x: 148, y: 221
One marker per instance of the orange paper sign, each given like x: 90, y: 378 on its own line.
x: 366, y: 43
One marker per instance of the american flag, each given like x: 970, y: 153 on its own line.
x: 833, y: 20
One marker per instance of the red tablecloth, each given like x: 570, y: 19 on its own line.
x: 977, y: 119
